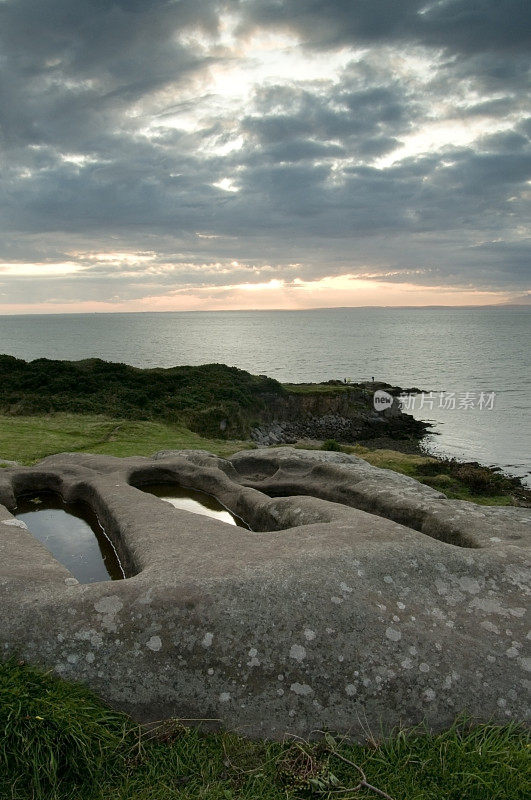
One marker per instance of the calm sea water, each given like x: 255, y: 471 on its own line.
x: 449, y: 350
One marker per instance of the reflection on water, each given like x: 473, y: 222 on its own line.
x: 73, y: 536
x: 190, y: 500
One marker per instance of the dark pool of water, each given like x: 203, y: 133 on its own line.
x: 73, y: 535
x: 191, y: 500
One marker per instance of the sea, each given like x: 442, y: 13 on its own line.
x: 472, y: 364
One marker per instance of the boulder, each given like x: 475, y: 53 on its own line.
x: 361, y: 599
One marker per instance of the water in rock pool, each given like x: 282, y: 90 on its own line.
x: 197, y: 502
x: 73, y: 535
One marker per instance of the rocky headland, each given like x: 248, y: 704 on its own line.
x: 212, y: 400
x: 335, y: 411
x: 354, y: 595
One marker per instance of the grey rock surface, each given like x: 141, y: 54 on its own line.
x: 4, y: 462
x: 360, y: 600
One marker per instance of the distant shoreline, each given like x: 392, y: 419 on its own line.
x: 498, y: 306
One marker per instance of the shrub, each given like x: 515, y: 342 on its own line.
x: 99, y: 387
x: 331, y: 444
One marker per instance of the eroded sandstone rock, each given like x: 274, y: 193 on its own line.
x: 360, y: 599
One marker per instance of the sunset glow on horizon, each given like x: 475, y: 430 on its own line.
x: 328, y: 292
x: 263, y: 155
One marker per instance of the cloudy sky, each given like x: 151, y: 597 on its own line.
x: 194, y: 154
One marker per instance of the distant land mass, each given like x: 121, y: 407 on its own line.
x: 212, y: 399
x: 521, y: 300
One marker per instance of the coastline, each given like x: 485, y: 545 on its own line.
x: 399, y: 348
x: 103, y: 407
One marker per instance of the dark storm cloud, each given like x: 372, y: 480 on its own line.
x: 286, y: 113
x: 459, y: 25
x: 71, y: 67
x: 88, y: 87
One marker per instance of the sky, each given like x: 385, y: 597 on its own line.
x: 162, y: 155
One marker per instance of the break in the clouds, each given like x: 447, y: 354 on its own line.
x: 191, y: 153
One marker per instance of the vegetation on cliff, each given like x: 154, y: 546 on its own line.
x: 59, y: 742
x: 213, y: 399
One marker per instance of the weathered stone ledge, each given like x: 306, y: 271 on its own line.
x: 361, y: 598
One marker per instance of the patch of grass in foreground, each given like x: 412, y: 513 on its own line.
x: 29, y: 438
x: 58, y: 742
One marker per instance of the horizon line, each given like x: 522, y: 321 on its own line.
x: 266, y: 310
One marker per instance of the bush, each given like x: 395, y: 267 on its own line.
x: 477, y: 479
x: 99, y: 387
x: 331, y: 444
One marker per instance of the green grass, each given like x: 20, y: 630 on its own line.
x: 325, y: 388
x: 29, y: 438
x: 58, y: 742
x: 456, y: 481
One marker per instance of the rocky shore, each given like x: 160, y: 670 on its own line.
x: 342, y: 412
x: 212, y: 400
